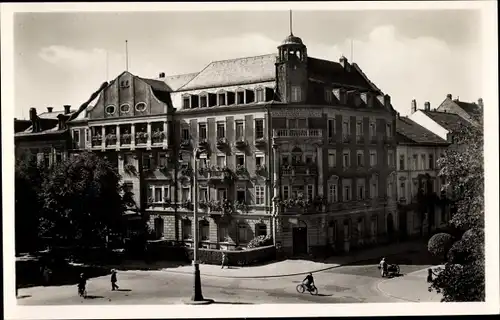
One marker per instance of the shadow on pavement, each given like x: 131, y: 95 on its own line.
x: 93, y: 297
x: 227, y: 302
x: 324, y: 295
x: 125, y: 290
x: 24, y: 296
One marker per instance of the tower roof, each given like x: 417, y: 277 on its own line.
x: 291, y: 39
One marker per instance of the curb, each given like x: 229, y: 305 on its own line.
x: 289, y: 274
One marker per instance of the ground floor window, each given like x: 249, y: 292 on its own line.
x: 360, y: 228
x: 243, y: 233
x: 260, y: 230
x: 332, y: 232
x: 204, y: 230
x: 259, y: 195
x: 187, y: 230
x: 223, y: 233
x: 158, y: 227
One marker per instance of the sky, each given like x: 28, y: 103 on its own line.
x: 60, y: 58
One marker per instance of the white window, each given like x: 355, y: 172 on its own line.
x: 76, y: 136
x: 260, y: 95
x: 259, y: 128
x: 360, y: 158
x: 221, y: 194
x: 286, y: 193
x: 186, y: 194
x: 221, y: 161
x: 240, y: 130
x: 331, y: 128
x: 347, y: 193
x: 360, y: 186
x: 240, y: 160
x: 422, y: 161
x: 332, y: 158
x: 260, y: 160
x: 242, y: 233
x: 345, y: 127
x: 296, y: 94
x: 346, y: 159
x: 203, y: 194
x: 87, y: 136
x: 310, y: 192
x: 359, y: 127
x: 332, y: 232
x: 389, y: 189
x: 373, y: 158
x: 332, y: 193
x: 221, y: 130
x: 415, y: 162
x: 389, y: 130
x: 402, y: 190
x: 373, y: 129
x: 204, y: 230
x: 202, y: 128
x: 185, y: 133
x: 374, y: 189
x: 259, y: 195
x: 390, y: 158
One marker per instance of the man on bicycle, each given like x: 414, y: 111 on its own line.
x: 309, y: 281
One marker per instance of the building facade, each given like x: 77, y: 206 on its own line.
x: 290, y: 146
x: 419, y: 185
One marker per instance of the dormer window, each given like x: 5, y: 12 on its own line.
x: 125, y: 108
x: 240, y: 97
x: 250, y: 96
x: 203, y: 101
x: 230, y: 98
x: 259, y: 93
x: 141, y: 106
x: 186, y: 102
x: 124, y: 84
x: 195, y: 102
x: 110, y: 109
x: 221, y: 97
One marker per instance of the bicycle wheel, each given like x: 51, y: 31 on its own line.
x: 397, y: 270
x: 300, y: 288
x: 314, y: 291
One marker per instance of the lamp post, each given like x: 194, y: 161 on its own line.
x: 197, y: 295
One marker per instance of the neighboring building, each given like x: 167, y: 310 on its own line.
x: 466, y: 110
x: 299, y: 148
x: 21, y: 125
x: 417, y: 154
x: 441, y: 123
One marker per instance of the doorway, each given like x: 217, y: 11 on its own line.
x: 299, y: 234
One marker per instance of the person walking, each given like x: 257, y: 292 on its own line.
x: 114, y: 280
x: 224, y: 260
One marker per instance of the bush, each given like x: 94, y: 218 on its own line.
x: 439, y: 244
x: 260, y: 241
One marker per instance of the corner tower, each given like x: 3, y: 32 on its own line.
x: 291, y: 70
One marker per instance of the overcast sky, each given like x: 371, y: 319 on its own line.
x: 60, y: 58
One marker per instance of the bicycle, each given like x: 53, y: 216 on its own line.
x: 301, y: 288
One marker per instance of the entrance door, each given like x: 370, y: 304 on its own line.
x: 300, y: 239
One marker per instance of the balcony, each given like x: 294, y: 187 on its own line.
x: 157, y: 137
x: 222, y: 143
x: 373, y: 139
x: 185, y: 144
x: 141, y: 138
x: 240, y: 143
x: 110, y: 140
x: 96, y: 141
x: 346, y: 138
x: 297, y: 133
x: 260, y: 143
x: 299, y: 169
x: 360, y: 139
x: 220, y: 175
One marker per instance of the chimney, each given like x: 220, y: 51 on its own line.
x: 427, y: 106
x: 344, y: 63
x: 413, y: 106
x: 448, y: 96
x: 60, y: 123
x: 67, y: 109
x: 49, y: 109
x: 480, y: 102
x: 162, y: 75
x: 34, y: 120
x: 387, y: 101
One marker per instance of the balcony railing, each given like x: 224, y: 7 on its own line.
x: 293, y: 133
x: 299, y: 169
x: 346, y: 137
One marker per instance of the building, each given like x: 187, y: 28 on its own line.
x: 419, y: 186
x: 299, y: 148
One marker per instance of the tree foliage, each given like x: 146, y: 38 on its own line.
x: 462, y: 278
x: 439, y: 244
x: 82, y: 201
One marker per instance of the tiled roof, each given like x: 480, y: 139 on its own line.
x: 333, y: 72
x: 411, y: 132
x: 177, y: 81
x: 234, y: 72
x: 447, y: 120
x: 157, y: 85
x: 470, y: 108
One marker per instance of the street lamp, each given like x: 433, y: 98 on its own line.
x: 197, y: 295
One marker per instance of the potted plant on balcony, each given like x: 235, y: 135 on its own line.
x: 186, y: 204
x: 97, y: 139
x: 110, y: 139
x: 142, y: 137
x: 150, y: 201
x: 221, y: 143
x: 130, y: 169
x: 228, y: 175
x: 240, y: 143
x: 203, y: 144
x: 241, y: 170
x: 166, y: 202
x: 260, y: 142
x: 187, y: 171
x: 241, y: 206
x: 202, y: 204
x: 202, y: 171
x: 260, y: 170
x: 158, y: 136
x: 227, y: 207
x: 125, y: 138
x: 185, y: 144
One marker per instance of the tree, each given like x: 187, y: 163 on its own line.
x: 28, y: 204
x: 462, y: 278
x: 82, y: 201
x: 439, y: 244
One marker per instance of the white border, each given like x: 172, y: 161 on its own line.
x: 490, y: 94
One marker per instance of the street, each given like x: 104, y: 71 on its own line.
x: 346, y: 284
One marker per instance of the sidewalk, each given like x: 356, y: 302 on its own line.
x: 292, y: 267
x: 411, y: 287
